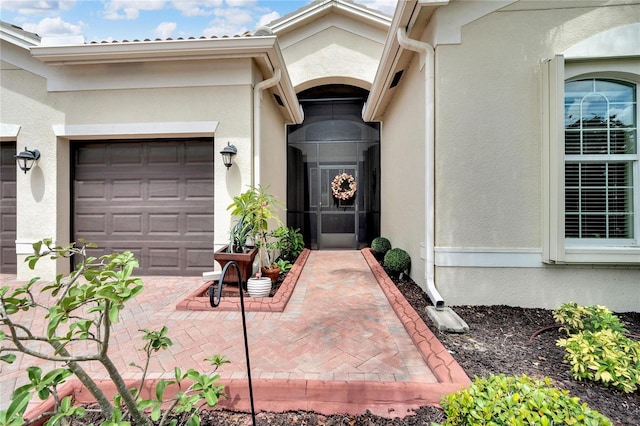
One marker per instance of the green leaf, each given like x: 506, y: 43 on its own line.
x: 18, y: 406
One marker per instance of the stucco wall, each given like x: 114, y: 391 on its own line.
x: 26, y: 102
x: 403, y: 173
x: 332, y: 56
x: 488, y: 151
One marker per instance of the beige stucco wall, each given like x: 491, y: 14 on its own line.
x: 43, y: 202
x: 403, y: 172
x: 332, y: 56
x: 488, y: 151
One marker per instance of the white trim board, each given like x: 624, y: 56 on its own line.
x: 124, y: 130
x: 483, y: 257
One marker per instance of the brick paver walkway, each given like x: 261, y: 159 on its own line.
x: 338, y: 345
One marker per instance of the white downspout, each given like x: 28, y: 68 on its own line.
x: 427, y: 54
x: 257, y: 137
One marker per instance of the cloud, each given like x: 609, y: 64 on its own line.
x: 196, y: 7
x: 165, y: 29
x: 269, y: 17
x: 38, y: 7
x: 241, y: 3
x: 129, y: 9
x: 54, y: 27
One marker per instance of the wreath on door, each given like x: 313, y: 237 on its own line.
x: 344, y: 186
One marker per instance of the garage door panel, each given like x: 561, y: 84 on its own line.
x: 90, y: 190
x: 8, y: 169
x: 162, y: 211
x: 198, y: 258
x: 164, y: 224
x: 125, y: 189
x: 126, y: 224
x: 165, y: 189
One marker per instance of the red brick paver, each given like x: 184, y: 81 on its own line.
x: 345, y: 342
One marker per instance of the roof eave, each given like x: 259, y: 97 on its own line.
x: 147, y: 51
x: 318, y: 9
x: 395, y: 58
x: 17, y: 36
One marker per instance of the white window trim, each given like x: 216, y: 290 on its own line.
x: 556, y: 248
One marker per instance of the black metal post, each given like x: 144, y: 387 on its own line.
x: 214, y: 300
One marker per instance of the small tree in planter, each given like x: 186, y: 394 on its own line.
x: 83, y: 308
x: 258, y: 209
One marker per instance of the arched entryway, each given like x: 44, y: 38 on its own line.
x: 333, y: 140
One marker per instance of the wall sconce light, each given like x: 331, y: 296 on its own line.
x: 26, y: 159
x: 228, y: 153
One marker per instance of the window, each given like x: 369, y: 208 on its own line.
x: 600, y: 147
x: 591, y: 162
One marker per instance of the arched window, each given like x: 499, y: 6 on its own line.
x: 601, y: 161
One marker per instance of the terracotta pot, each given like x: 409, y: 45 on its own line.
x: 273, y: 272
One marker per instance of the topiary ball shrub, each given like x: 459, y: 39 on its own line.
x: 397, y: 261
x: 380, y: 246
x: 511, y: 400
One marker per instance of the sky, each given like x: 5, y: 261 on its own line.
x: 109, y: 20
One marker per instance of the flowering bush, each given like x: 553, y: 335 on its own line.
x: 344, y: 186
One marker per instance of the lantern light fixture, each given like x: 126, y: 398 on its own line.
x: 26, y: 159
x: 228, y: 152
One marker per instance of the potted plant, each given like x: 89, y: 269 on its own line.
x: 258, y: 208
x: 238, y: 249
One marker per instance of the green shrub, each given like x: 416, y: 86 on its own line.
x: 606, y: 356
x: 596, y: 347
x: 510, y: 400
x: 380, y: 246
x: 397, y: 260
x: 587, y: 318
x: 289, y: 242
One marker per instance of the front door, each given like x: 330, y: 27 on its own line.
x: 332, y: 143
x: 337, y: 208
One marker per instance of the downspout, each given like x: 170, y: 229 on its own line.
x: 257, y: 106
x: 427, y: 54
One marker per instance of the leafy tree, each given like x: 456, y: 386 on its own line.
x: 83, y: 308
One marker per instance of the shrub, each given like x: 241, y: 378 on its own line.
x: 596, y: 347
x: 397, y: 260
x: 83, y: 308
x: 380, y: 246
x: 587, y: 318
x: 510, y: 400
x: 289, y: 242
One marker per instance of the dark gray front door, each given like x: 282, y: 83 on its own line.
x: 337, y: 218
x: 154, y: 198
x: 8, y: 208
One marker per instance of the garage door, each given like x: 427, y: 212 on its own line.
x: 154, y: 198
x: 7, y: 208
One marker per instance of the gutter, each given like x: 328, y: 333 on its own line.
x: 257, y: 106
x: 427, y: 54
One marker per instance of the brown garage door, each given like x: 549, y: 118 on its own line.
x: 7, y: 208
x: 154, y: 198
